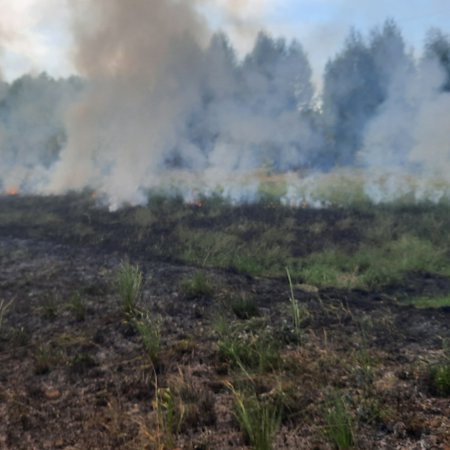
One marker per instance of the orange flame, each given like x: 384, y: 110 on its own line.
x: 12, y: 191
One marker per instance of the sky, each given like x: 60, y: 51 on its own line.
x: 35, y: 34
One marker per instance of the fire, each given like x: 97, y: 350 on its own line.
x: 12, y: 191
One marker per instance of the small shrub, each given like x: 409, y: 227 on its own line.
x: 339, y: 424
x: 129, y: 285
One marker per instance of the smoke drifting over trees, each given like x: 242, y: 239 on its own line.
x: 158, y: 95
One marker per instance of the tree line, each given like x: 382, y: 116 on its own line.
x: 266, y: 101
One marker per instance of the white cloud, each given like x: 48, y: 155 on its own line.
x: 33, y: 36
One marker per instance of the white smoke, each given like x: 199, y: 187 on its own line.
x: 148, y: 73
x: 166, y: 104
x: 141, y: 60
x: 406, y: 149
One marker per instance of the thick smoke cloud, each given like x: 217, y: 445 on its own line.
x: 141, y: 60
x: 162, y: 103
x: 158, y: 99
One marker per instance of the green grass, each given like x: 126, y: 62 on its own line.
x: 439, y: 379
x: 244, y: 307
x: 77, y: 306
x: 258, y: 419
x: 149, y: 330
x: 196, y: 286
x: 129, y: 286
x: 351, y: 244
x: 339, y: 424
x: 439, y: 374
x: 389, y: 241
x: 230, y: 248
x: 373, y: 266
x: 431, y: 302
x: 298, y: 312
x: 249, y: 348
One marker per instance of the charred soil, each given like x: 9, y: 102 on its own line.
x: 211, y: 326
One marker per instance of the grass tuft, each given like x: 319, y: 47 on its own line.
x: 4, y: 308
x: 77, y: 306
x: 339, y: 424
x: 258, y: 419
x: 439, y: 374
x: 244, y: 307
x: 197, y: 286
x: 129, y: 285
x: 439, y: 379
x: 248, y: 348
x: 149, y: 331
x: 299, y: 314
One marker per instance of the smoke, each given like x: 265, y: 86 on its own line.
x: 160, y: 95
x: 406, y: 143
x: 141, y: 60
x: 164, y: 103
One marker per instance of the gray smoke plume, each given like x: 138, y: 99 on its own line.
x: 141, y: 60
x: 163, y: 103
x: 161, y: 96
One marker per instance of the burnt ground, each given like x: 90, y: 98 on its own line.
x: 75, y: 375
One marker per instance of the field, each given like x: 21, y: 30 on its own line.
x: 212, y: 326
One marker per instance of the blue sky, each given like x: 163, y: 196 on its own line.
x: 34, y: 34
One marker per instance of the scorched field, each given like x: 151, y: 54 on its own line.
x: 212, y: 326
